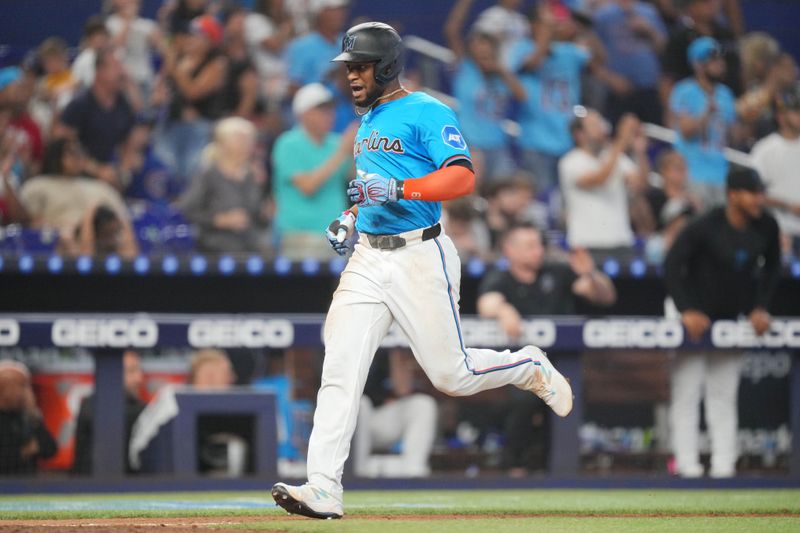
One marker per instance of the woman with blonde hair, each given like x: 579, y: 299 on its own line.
x: 224, y: 198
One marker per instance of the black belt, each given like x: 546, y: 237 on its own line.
x: 393, y: 242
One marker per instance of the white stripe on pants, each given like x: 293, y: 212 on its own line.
x: 409, y: 286
x: 714, y: 376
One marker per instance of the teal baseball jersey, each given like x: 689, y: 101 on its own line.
x: 406, y: 138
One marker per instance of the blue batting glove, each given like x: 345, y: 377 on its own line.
x: 373, y: 189
x: 341, y: 233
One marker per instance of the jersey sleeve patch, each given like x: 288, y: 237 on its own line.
x: 452, y: 137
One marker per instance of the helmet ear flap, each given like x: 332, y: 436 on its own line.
x: 385, y: 75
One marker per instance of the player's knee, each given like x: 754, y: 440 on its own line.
x: 446, y: 384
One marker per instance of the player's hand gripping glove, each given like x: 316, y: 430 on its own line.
x: 341, y: 232
x: 374, y: 189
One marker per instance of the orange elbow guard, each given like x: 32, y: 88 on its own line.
x: 444, y: 184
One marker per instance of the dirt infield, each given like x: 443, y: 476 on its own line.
x: 177, y: 524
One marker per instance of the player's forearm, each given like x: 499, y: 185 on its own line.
x: 771, y: 201
x: 770, y: 273
x: 602, y: 290
x: 444, y: 184
x: 676, y: 274
x: 309, y: 182
x: 598, y: 177
x: 642, y: 170
x: 491, y: 304
x: 535, y: 60
x: 691, y: 127
x: 512, y: 82
x: 455, y: 24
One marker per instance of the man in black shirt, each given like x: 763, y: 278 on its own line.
x: 723, y: 265
x: 533, y: 286
x: 100, y: 117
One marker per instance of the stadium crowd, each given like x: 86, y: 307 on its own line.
x: 222, y: 126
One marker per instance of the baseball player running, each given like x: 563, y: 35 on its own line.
x: 410, y: 156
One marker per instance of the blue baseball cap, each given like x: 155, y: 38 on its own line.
x: 703, y: 49
x: 8, y: 76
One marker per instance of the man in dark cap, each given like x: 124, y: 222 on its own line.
x: 723, y: 265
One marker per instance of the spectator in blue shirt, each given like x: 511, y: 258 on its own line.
x: 483, y: 88
x: 702, y: 111
x: 550, y: 72
x: 308, y: 57
x: 633, y: 35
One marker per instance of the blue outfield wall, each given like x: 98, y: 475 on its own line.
x: 25, y: 23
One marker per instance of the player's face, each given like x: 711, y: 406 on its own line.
x: 239, y: 146
x: 319, y: 120
x: 12, y: 390
x: 73, y: 160
x: 132, y: 372
x: 364, y: 89
x: 675, y: 171
x: 750, y: 203
x: 703, y: 10
x: 524, y: 249
x: 595, y: 130
x: 483, y: 52
x: 790, y: 120
x: 715, y: 68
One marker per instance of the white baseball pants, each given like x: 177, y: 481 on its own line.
x: 410, y: 420
x: 714, y: 376
x: 416, y: 286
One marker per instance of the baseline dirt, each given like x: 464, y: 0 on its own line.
x: 178, y: 524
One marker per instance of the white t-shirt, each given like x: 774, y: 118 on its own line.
x: 258, y: 27
x: 83, y: 67
x: 137, y: 48
x: 597, y: 217
x: 777, y: 159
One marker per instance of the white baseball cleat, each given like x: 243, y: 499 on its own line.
x: 547, y: 383
x: 307, y: 500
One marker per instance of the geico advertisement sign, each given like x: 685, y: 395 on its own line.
x: 9, y: 332
x: 645, y: 333
x: 740, y: 334
x: 476, y: 332
x: 620, y: 333
x: 254, y: 333
x: 110, y: 333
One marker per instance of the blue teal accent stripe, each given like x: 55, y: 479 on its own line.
x: 458, y: 325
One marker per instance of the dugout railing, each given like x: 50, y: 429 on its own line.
x: 568, y: 338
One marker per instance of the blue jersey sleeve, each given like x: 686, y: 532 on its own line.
x: 439, y: 133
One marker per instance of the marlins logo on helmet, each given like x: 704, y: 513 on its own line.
x: 349, y: 42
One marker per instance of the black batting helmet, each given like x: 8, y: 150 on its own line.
x: 374, y: 42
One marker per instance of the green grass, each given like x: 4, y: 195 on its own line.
x: 557, y: 510
x: 528, y: 525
